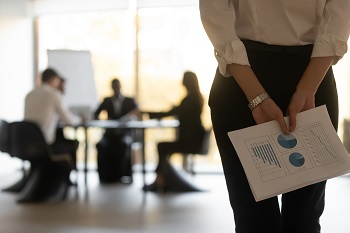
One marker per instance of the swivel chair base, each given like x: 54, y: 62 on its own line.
x: 47, y: 182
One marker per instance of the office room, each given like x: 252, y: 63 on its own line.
x: 144, y: 49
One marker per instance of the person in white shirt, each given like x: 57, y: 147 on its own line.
x: 44, y: 106
x: 275, y: 57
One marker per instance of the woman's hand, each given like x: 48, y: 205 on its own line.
x: 301, y: 101
x: 304, y: 97
x: 268, y: 111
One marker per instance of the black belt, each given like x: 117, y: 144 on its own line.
x: 255, y: 45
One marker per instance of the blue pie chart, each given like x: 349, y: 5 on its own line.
x: 287, y: 141
x: 296, y: 159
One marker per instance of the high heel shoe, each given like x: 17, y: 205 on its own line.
x: 154, y: 188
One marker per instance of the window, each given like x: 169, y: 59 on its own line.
x: 170, y: 41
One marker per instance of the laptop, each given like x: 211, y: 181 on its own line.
x: 82, y: 110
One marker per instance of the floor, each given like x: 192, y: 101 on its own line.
x: 126, y: 209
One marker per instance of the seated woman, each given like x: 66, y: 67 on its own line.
x: 190, y: 136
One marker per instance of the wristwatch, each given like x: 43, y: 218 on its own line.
x: 258, y: 100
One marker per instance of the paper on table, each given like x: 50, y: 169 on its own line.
x: 275, y: 163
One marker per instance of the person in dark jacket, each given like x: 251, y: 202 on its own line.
x: 114, y: 158
x: 117, y: 106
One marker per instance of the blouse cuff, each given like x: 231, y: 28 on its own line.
x: 235, y: 52
x: 329, y: 45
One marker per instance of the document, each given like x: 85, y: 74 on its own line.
x: 276, y: 163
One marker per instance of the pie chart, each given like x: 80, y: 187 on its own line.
x: 287, y: 141
x: 296, y: 159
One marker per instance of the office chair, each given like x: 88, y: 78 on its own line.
x: 4, y: 136
x: 188, y: 159
x: 5, y: 147
x: 48, y: 178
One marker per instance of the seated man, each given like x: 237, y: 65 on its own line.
x: 44, y: 106
x: 114, y: 155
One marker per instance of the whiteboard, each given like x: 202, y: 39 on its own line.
x: 76, y: 67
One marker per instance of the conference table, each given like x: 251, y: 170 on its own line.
x: 133, y: 125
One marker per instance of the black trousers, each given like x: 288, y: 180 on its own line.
x: 279, y: 70
x: 166, y: 149
x: 114, y: 158
x: 66, y: 146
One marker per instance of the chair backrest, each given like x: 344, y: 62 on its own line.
x: 4, y: 136
x: 205, y: 143
x: 27, y: 141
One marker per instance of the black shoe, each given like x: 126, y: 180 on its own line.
x: 154, y: 188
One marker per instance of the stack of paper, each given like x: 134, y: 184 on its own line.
x: 276, y: 163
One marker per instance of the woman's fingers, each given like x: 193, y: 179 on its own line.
x: 292, y: 118
x: 292, y: 122
x: 282, y: 123
x: 299, y: 102
x: 268, y: 111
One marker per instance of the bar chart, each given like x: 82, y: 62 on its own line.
x: 265, y: 159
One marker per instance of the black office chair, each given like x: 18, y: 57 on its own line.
x: 5, y: 147
x: 48, y: 178
x: 188, y: 159
x: 4, y: 137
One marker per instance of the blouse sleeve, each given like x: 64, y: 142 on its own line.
x: 334, y: 30
x: 218, y: 19
x: 64, y: 114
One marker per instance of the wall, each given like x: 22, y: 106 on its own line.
x: 16, y: 57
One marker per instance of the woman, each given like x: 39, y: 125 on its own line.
x: 190, y: 136
x: 275, y: 57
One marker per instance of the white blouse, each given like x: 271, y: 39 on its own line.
x: 324, y: 23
